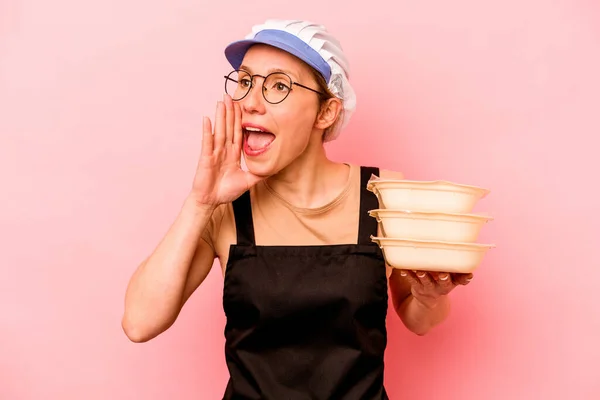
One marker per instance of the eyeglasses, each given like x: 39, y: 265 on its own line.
x: 276, y: 86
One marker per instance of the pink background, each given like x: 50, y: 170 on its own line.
x: 100, y: 117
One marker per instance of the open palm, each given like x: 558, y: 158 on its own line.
x: 219, y: 177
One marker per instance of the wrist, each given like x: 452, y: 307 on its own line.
x: 428, y: 302
x: 194, y: 207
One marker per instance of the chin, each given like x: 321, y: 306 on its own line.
x: 263, y: 168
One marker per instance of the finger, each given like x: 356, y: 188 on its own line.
x: 444, y: 281
x: 207, y: 137
x: 426, y: 280
x: 434, y: 275
x: 411, y: 277
x: 229, y: 119
x: 462, y: 279
x: 237, y: 128
x: 219, y: 137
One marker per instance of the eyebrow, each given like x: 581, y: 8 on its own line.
x: 271, y: 70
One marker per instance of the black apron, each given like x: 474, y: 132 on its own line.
x: 306, y: 322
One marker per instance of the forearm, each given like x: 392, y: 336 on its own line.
x: 154, y: 294
x: 421, y: 316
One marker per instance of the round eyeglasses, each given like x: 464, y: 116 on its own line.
x: 276, y: 86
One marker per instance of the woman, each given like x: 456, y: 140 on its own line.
x: 305, y: 289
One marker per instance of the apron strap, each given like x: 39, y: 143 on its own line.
x: 367, y: 225
x: 244, y: 225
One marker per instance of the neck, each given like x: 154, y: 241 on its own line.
x: 312, y: 180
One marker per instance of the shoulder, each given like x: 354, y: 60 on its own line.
x: 386, y: 173
x: 390, y: 174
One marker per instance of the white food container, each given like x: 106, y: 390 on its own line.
x: 420, y: 255
x: 421, y: 225
x: 438, y: 196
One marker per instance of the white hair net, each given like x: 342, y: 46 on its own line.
x: 330, y: 49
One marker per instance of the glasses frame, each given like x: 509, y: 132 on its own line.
x: 292, y: 83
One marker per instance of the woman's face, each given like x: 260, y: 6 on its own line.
x: 288, y: 126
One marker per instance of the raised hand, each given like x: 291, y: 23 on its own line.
x: 219, y: 176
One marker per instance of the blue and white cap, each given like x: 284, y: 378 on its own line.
x: 312, y: 44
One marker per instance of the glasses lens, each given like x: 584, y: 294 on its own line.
x: 276, y: 87
x: 237, y: 84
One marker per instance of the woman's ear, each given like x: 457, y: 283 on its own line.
x: 328, y: 114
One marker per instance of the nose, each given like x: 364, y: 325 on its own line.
x: 254, y: 102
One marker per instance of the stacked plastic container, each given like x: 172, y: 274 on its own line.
x: 429, y: 225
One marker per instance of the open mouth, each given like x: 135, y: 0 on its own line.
x: 256, y: 140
